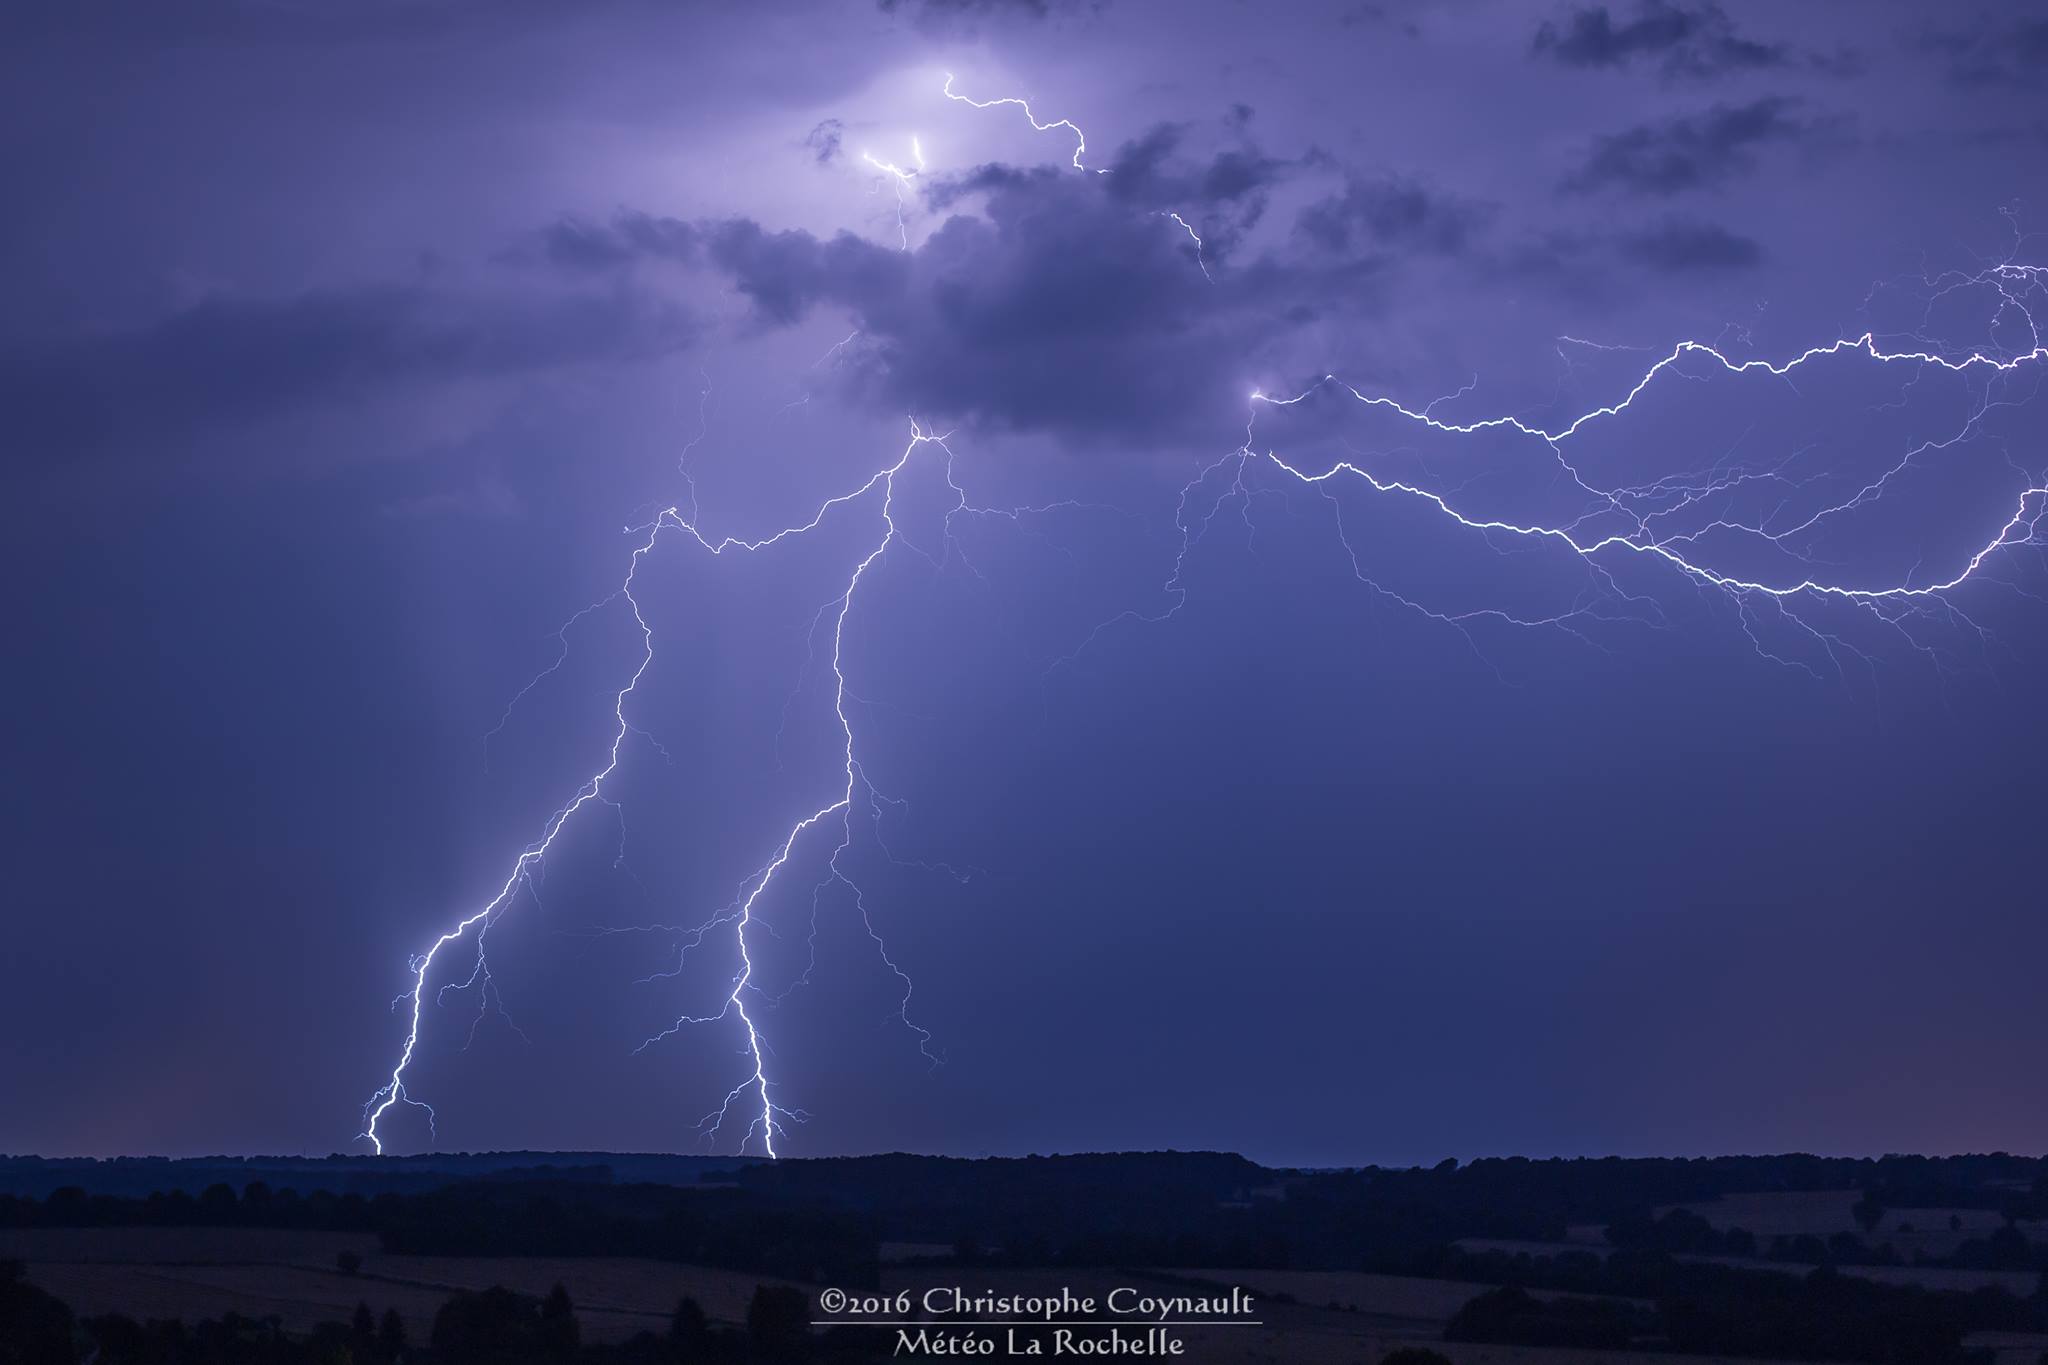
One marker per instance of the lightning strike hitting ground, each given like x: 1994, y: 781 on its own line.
x: 767, y: 1116
x: 393, y: 1092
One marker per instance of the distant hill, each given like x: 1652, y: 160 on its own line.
x: 138, y: 1176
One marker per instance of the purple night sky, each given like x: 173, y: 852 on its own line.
x: 1208, y: 802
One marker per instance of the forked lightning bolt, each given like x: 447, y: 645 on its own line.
x: 767, y: 1115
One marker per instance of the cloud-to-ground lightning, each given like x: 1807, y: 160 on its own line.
x: 767, y: 1114
x: 393, y: 1091
x: 1667, y: 522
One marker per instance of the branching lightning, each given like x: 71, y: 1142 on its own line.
x: 393, y: 1091
x: 766, y: 1116
x: 1667, y: 523
x: 1643, y: 539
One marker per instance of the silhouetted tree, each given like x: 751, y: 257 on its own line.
x: 363, y: 1325
x: 559, y: 1334
x: 1868, y: 1212
x: 2010, y: 1248
x: 689, y: 1330
x: 391, y: 1333
x: 347, y: 1262
x: 217, y: 1204
x: 493, y: 1327
x: 777, y: 1318
x: 119, y: 1337
x: 34, y: 1326
x: 1512, y: 1316
x: 65, y: 1207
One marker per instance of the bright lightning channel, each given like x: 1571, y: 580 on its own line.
x: 767, y: 1117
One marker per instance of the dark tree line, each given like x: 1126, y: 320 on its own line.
x: 728, y: 1228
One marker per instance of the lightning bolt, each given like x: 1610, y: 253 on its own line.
x: 1197, y: 239
x: 767, y: 1117
x: 1080, y: 148
x: 1642, y: 540
x: 1642, y: 508
x: 1080, y: 138
x: 393, y: 1091
x: 1665, y: 522
x: 901, y: 181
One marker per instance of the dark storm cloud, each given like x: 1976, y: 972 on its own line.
x: 1683, y: 40
x: 1995, y: 52
x: 627, y: 238
x: 824, y: 140
x: 1150, y: 171
x: 282, y: 21
x: 1394, y: 212
x: 1056, y: 301
x: 1061, y: 306
x: 945, y: 9
x: 2023, y: 135
x: 786, y: 274
x: 1371, y: 14
x: 1060, y: 310
x: 227, y: 359
x: 1690, y: 151
x: 1061, y: 302
x: 1678, y: 246
x: 1602, y: 265
x: 1031, y: 7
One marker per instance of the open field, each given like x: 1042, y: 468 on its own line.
x: 2010, y: 1348
x: 2018, y: 1283
x: 195, y: 1273
x: 1307, y: 1317
x: 1400, y: 1296
x: 1374, y: 1314
x: 184, y: 1246
x: 300, y: 1299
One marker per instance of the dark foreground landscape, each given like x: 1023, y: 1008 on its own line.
x: 527, y: 1257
